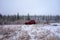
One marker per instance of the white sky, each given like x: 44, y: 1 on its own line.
x: 33, y: 7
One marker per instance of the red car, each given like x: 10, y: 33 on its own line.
x: 30, y: 22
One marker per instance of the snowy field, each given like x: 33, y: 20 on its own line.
x: 30, y: 32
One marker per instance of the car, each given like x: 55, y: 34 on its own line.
x: 30, y: 22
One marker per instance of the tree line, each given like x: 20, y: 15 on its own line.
x: 11, y: 18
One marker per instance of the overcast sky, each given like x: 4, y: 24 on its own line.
x: 33, y: 7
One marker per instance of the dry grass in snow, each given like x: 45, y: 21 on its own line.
x: 29, y: 32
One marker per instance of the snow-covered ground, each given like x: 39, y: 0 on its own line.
x: 30, y: 32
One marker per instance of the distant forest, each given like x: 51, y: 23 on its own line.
x: 12, y: 19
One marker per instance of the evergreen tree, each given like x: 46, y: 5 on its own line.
x: 0, y: 16
x: 17, y: 16
x: 28, y: 17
